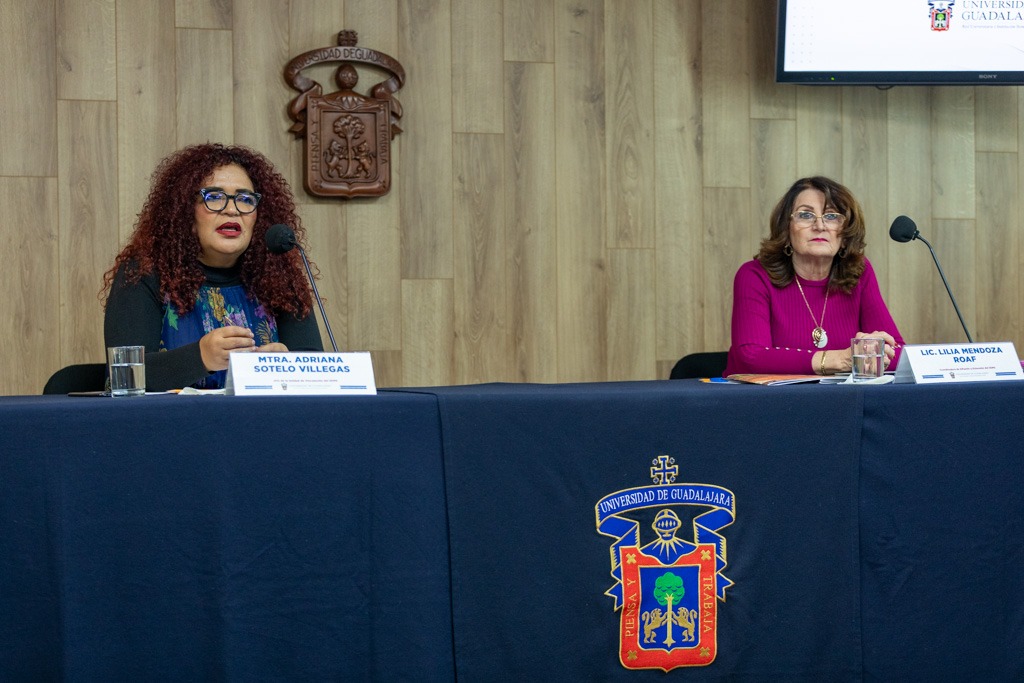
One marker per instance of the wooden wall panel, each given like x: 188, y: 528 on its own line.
x: 87, y: 232
x: 205, y: 77
x: 374, y: 267
x: 623, y: 161
x: 387, y: 368
x: 374, y: 270
x: 952, y: 152
x: 631, y: 315
x: 529, y: 30
x: 377, y: 23
x: 260, y: 51
x: 629, y: 65
x: 31, y: 308
x: 819, y: 147
x: 911, y: 286
x: 955, y: 238
x: 480, y: 315
x: 768, y: 99
x: 374, y: 226
x: 728, y: 242
x: 865, y: 141
x: 725, y: 84
x: 328, y: 249
x: 949, y: 197
x: 424, y: 30
x: 28, y: 81
x: 581, y: 208
x: 86, y: 49
x: 203, y: 14
x: 995, y: 119
x: 774, y: 144
x: 428, y: 335
x: 530, y: 201
x: 996, y: 298
x: 477, y: 66
x: 146, y: 85
x: 678, y: 181
x: 1017, y: 227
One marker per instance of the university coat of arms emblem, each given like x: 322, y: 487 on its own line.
x: 348, y: 135
x: 940, y: 13
x: 668, y: 589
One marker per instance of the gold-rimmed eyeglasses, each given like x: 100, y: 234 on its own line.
x: 217, y: 200
x: 830, y: 219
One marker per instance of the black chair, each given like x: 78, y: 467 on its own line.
x: 81, y: 377
x: 705, y: 364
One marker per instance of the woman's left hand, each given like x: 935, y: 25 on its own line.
x: 273, y: 347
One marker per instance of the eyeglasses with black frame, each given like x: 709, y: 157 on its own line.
x: 216, y: 199
x: 830, y: 219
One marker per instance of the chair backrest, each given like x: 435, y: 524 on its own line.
x: 705, y: 364
x: 81, y: 377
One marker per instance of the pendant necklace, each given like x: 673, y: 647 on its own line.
x: 819, y: 336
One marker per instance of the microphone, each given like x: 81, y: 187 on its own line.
x: 903, y: 229
x: 280, y: 239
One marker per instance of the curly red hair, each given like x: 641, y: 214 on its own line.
x: 164, y: 240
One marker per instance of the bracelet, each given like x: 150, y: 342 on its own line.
x: 823, y: 362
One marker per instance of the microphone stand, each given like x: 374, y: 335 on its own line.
x: 945, y: 282
x: 323, y: 315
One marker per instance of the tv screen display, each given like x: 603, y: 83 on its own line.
x: 889, y: 42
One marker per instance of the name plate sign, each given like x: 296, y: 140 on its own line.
x: 300, y: 374
x: 930, y: 363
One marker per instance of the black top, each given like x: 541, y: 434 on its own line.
x: 135, y: 313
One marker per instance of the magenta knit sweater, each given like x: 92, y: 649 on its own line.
x: 771, y: 327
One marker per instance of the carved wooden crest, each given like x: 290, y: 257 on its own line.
x: 348, y: 135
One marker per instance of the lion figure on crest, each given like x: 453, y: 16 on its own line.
x: 655, y: 619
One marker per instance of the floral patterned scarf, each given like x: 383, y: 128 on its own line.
x: 217, y: 306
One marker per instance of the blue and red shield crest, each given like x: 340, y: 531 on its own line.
x: 670, y: 612
x: 667, y: 589
x: 940, y: 13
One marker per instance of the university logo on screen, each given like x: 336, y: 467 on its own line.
x: 667, y: 589
x: 940, y: 13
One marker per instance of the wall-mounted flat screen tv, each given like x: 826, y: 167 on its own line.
x: 893, y: 42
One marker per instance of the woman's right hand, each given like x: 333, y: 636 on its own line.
x: 841, y: 360
x: 215, y: 346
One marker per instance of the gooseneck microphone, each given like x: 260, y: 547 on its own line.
x: 903, y: 229
x: 280, y: 239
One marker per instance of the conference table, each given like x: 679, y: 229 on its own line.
x: 504, y: 531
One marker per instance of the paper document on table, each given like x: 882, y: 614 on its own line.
x: 774, y: 380
x: 847, y: 378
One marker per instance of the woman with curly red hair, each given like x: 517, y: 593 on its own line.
x: 196, y: 280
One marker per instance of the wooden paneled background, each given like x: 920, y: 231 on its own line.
x: 577, y: 182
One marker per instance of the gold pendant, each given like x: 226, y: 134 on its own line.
x: 820, y: 337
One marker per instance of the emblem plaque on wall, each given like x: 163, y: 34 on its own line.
x: 348, y: 135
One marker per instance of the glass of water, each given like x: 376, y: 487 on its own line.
x: 127, y: 366
x: 868, y: 358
